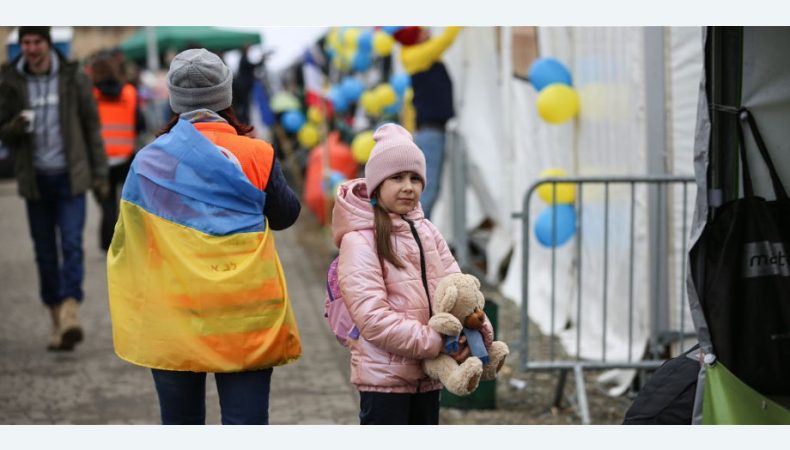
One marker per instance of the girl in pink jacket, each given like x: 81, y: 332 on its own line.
x: 391, y: 259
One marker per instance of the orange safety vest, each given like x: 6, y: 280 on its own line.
x: 256, y: 156
x: 117, y: 117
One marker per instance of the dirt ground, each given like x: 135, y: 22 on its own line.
x: 526, y: 398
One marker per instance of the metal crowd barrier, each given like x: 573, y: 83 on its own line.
x: 658, y: 227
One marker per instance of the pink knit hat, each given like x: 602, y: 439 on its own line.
x: 394, y: 152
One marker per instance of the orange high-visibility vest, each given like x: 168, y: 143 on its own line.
x: 256, y: 156
x: 117, y: 117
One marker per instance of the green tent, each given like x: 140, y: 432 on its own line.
x: 179, y: 38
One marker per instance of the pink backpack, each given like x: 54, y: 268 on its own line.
x: 335, y: 311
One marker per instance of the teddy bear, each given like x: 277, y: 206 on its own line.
x: 459, y: 307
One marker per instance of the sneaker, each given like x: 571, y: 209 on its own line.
x: 69, y: 325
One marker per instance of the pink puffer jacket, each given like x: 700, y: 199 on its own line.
x: 388, y: 305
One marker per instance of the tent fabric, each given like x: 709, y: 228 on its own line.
x: 508, y: 145
x: 167, y: 38
x: 729, y: 401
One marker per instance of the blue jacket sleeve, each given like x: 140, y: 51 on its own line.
x: 282, y: 205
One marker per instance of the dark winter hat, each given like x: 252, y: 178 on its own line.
x: 199, y: 79
x: 41, y: 31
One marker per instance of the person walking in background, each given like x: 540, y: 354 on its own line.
x: 49, y: 120
x: 121, y: 121
x: 195, y: 283
x: 243, y: 83
x: 391, y: 259
x: 433, y: 98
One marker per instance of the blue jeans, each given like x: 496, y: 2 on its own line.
x: 57, y: 219
x: 243, y: 397
x: 431, y: 142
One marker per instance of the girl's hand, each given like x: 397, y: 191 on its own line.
x: 463, y: 351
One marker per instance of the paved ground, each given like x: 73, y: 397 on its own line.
x: 93, y: 386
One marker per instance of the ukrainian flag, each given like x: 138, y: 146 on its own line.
x: 195, y: 283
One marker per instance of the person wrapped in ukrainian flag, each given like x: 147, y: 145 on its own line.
x: 195, y: 282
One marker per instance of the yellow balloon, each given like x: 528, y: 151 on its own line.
x: 408, y: 95
x: 308, y: 136
x: 362, y: 145
x: 557, y: 103
x: 385, y: 94
x: 348, y: 54
x: 382, y: 43
x: 314, y: 115
x: 333, y: 39
x: 341, y: 63
x: 350, y: 38
x: 370, y: 103
x: 566, y: 192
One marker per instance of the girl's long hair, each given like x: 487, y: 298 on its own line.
x: 227, y: 114
x: 382, y: 224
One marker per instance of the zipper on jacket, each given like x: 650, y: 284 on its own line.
x: 422, y: 262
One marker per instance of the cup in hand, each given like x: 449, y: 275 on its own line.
x: 30, y: 116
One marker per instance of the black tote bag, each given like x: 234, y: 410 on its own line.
x: 747, y: 279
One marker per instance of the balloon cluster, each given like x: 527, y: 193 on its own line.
x: 384, y: 98
x: 560, y: 198
x: 557, y: 101
x: 354, y: 49
x: 351, y: 51
x: 294, y: 121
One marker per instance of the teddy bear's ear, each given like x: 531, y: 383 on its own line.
x: 447, y: 301
x: 477, y: 282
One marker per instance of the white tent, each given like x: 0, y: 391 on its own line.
x: 622, y: 76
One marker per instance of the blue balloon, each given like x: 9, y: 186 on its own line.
x: 335, y: 178
x: 400, y: 82
x: 362, y: 61
x: 293, y: 120
x: 545, y: 71
x: 352, y: 88
x: 365, y: 41
x: 338, y: 99
x: 390, y: 30
x: 566, y: 225
x: 394, y: 108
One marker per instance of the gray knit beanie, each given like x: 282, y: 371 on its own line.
x: 394, y: 152
x: 199, y: 79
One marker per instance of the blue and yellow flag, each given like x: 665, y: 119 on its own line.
x: 194, y: 279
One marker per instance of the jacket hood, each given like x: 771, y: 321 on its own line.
x: 61, y: 65
x: 353, y: 211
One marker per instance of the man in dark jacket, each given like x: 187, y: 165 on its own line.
x: 48, y: 118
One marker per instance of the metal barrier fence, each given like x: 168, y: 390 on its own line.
x: 653, y: 201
